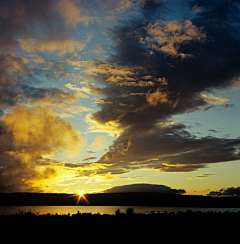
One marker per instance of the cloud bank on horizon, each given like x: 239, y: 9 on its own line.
x: 229, y: 192
x: 154, y: 68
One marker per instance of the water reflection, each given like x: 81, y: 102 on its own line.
x: 103, y: 209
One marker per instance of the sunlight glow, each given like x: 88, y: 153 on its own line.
x: 81, y: 193
x: 80, y: 196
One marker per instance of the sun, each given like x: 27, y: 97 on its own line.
x: 80, y: 195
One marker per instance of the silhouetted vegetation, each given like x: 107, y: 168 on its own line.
x: 188, y: 226
x: 126, y: 226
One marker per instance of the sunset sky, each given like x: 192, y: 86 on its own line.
x: 102, y: 93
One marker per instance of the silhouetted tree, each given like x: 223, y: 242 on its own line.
x: 129, y: 211
x: 117, y: 212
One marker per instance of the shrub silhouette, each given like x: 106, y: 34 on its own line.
x: 117, y: 212
x: 129, y: 211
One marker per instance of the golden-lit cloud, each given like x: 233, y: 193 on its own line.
x: 59, y: 46
x: 158, y: 96
x: 39, y: 130
x: 111, y: 127
x: 80, y: 63
x: 212, y: 100
x: 29, y: 134
x: 111, y: 70
x: 64, y: 103
x: 77, y: 89
x: 98, y: 143
x: 167, y: 36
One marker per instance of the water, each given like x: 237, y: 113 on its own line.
x: 102, y: 209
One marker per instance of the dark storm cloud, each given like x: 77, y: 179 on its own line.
x: 170, y: 149
x: 152, y: 7
x: 229, y: 192
x: 144, y: 188
x: 165, y: 68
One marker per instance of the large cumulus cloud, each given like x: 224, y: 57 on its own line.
x: 28, y: 136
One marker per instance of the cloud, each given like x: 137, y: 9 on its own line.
x: 228, y: 192
x: 71, y: 13
x: 90, y: 158
x: 27, y: 135
x: 144, y: 188
x: 168, y: 148
x: 22, y: 18
x: 142, y: 114
x: 214, y: 100
x: 77, y: 89
x: 31, y: 133
x: 15, y: 89
x: 113, y: 7
x: 167, y: 36
x: 60, y: 46
x: 12, y: 70
x: 98, y: 143
x: 201, y: 176
x: 12, y: 65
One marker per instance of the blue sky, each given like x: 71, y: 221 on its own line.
x: 97, y: 94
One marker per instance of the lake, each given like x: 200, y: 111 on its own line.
x: 102, y: 209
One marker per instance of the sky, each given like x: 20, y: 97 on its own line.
x: 103, y: 93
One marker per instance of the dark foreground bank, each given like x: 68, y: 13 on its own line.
x: 191, y: 226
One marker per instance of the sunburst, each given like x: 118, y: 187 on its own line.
x: 80, y: 196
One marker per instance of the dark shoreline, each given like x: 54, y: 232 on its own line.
x: 190, y: 226
x: 118, y: 199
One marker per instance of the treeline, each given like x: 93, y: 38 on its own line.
x: 138, y: 227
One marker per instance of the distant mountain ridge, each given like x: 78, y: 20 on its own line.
x: 144, y: 188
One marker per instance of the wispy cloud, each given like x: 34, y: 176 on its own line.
x: 60, y: 47
x: 201, y: 176
x: 72, y: 13
x: 98, y: 143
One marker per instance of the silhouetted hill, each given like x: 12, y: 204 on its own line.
x: 118, y: 199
